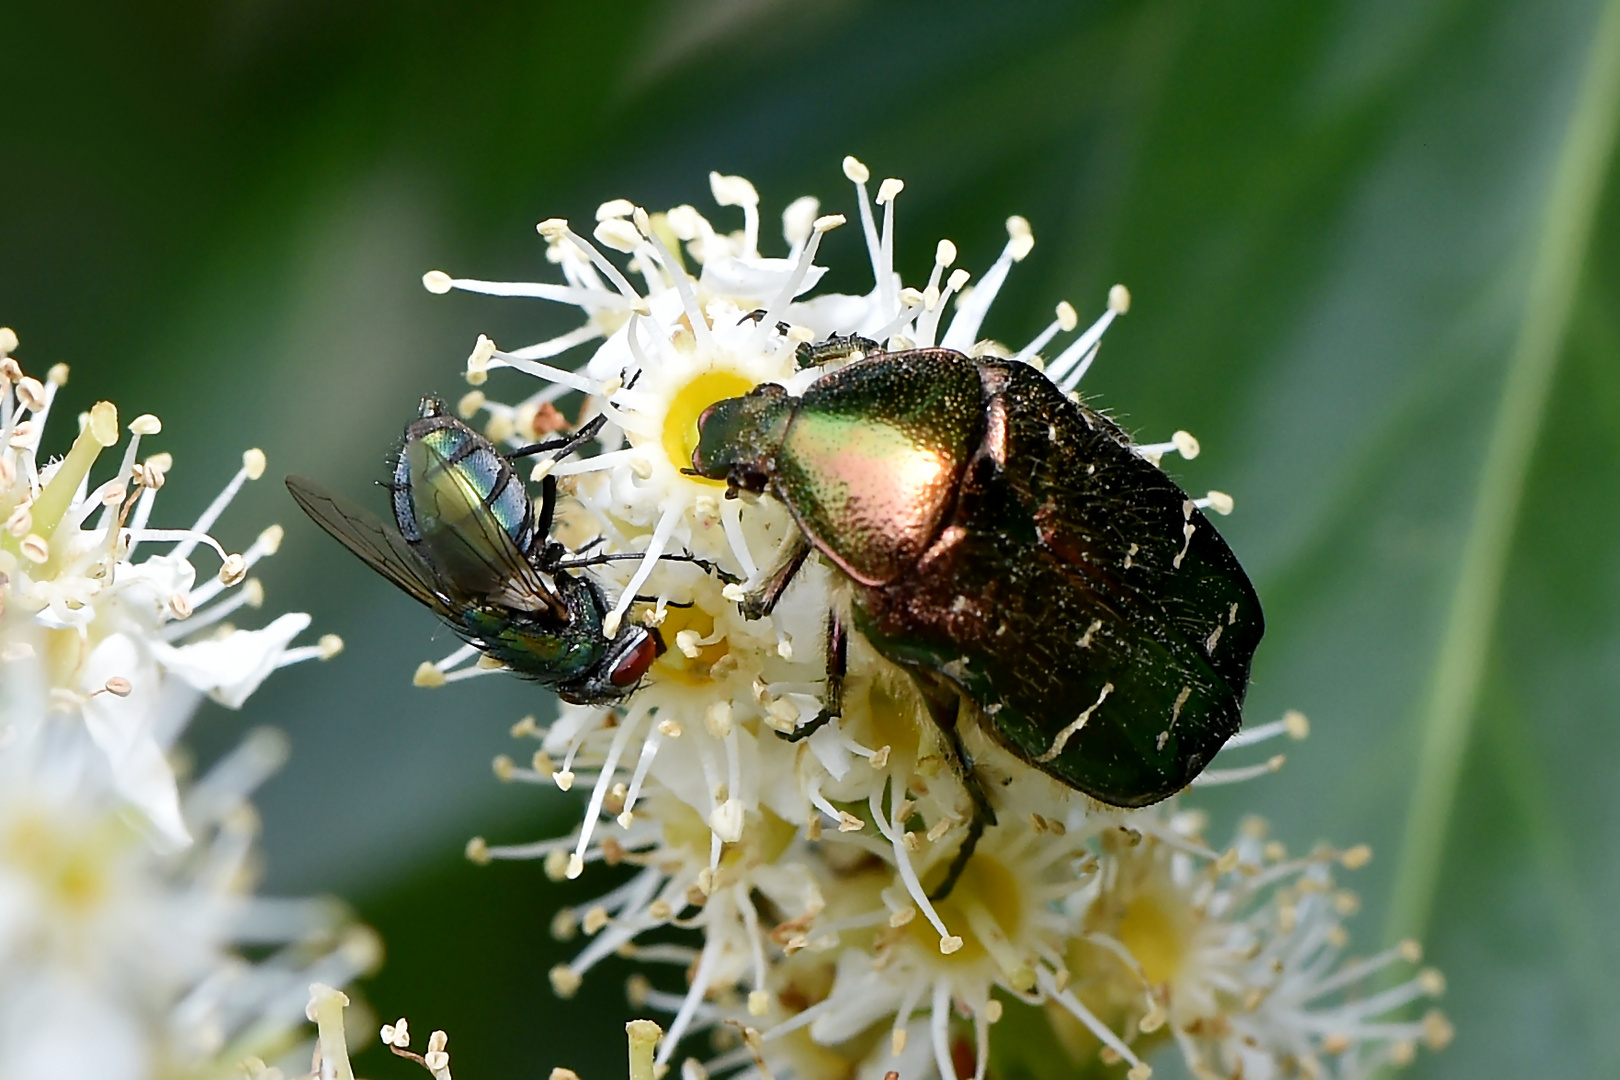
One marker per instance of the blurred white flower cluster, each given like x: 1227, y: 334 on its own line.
x: 127, y: 919
x: 790, y: 880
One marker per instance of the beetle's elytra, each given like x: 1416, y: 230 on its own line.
x: 1007, y: 543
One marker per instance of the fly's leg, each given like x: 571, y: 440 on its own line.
x: 562, y: 445
x: 560, y: 448
x: 548, y: 508
x: 832, y: 697
x: 580, y: 560
x: 944, y: 706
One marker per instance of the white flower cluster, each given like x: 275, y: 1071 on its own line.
x: 125, y: 893
x: 806, y: 866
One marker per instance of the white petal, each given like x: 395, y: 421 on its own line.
x: 231, y: 668
x: 828, y: 746
x: 861, y: 998
x: 755, y: 279
x: 121, y: 728
x: 837, y: 313
x: 63, y: 1030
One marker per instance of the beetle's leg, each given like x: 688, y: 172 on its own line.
x: 832, y: 697
x: 761, y: 602
x: 984, y: 815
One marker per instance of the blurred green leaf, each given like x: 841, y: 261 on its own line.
x: 1565, y: 225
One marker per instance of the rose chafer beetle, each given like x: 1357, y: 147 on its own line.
x: 1009, y: 548
x: 469, y: 545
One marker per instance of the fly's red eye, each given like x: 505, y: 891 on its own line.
x: 631, y: 666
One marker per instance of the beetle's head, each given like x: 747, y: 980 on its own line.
x: 738, y: 437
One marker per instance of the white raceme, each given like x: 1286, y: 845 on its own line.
x: 126, y: 890
x: 802, y: 869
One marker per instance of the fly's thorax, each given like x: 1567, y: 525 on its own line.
x: 571, y: 655
x: 552, y: 651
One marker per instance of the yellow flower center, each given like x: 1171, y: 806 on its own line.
x: 1154, y: 936
x: 764, y: 838
x: 70, y: 869
x: 986, y: 908
x: 683, y: 828
x: 894, y: 721
x: 692, y: 670
x: 680, y: 436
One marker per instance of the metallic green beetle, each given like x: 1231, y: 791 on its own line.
x: 470, y: 546
x: 1008, y: 547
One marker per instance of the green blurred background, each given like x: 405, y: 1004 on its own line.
x: 1374, y: 260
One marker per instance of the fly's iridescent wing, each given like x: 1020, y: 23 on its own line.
x: 378, y: 544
